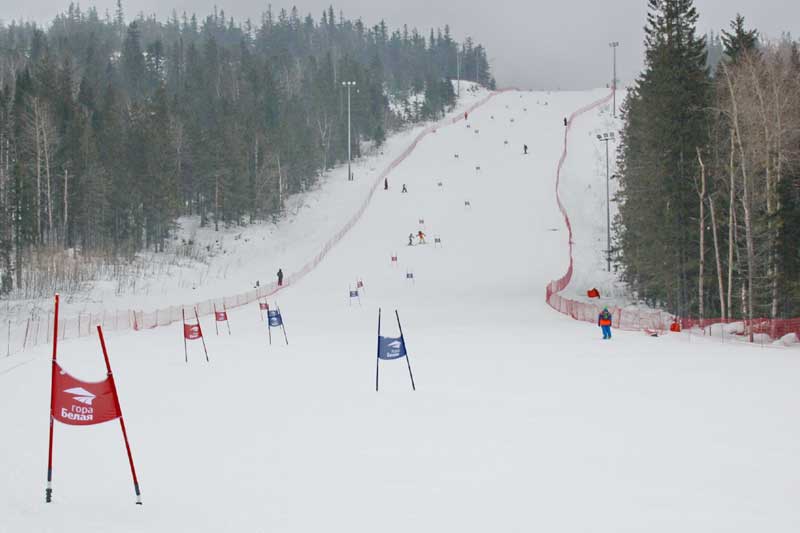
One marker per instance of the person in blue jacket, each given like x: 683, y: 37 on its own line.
x: 604, y: 320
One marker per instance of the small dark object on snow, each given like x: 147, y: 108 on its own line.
x: 280, y: 277
x: 404, y: 188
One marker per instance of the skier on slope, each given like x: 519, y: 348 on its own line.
x: 466, y: 115
x: 280, y: 277
x: 385, y: 184
x: 404, y: 188
x: 421, y: 237
x: 604, y: 321
x: 411, y: 239
x: 525, y: 148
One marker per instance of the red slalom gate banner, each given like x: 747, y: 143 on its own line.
x: 83, y: 403
x: 262, y: 306
x: 192, y: 332
x: 221, y: 316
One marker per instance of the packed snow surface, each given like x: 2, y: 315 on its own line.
x: 523, y: 419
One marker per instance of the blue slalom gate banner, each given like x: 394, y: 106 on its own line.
x: 391, y: 348
x: 354, y: 295
x: 275, y: 320
x: 274, y: 317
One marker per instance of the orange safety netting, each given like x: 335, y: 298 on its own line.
x: 648, y: 320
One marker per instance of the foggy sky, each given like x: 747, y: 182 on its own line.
x: 531, y: 43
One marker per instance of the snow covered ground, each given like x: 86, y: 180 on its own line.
x: 523, y: 419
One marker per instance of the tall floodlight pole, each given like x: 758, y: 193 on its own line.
x: 349, y: 85
x: 606, y: 137
x: 614, y: 46
x: 458, y: 73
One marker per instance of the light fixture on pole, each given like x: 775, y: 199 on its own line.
x: 349, y: 85
x: 606, y: 137
x: 614, y: 46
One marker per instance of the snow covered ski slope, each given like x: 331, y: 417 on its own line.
x: 523, y: 419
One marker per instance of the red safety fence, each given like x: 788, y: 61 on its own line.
x: 587, y: 312
x: 36, y: 330
x: 648, y: 320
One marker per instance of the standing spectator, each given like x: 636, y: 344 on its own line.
x: 604, y: 321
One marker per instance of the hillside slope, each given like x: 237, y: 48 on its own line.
x: 522, y: 420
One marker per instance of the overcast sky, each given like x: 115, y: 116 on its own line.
x: 531, y: 43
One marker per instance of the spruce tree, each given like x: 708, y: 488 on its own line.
x: 664, y: 123
x: 739, y: 40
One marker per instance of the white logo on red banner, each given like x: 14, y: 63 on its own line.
x: 83, y: 395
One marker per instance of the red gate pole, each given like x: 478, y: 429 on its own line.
x: 25, y: 340
x: 215, y: 319
x: 121, y: 421
x: 48, y: 493
x: 185, y: 349
x: 201, y: 333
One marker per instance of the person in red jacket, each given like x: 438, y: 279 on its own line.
x: 604, y: 320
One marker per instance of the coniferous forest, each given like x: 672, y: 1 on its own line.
x: 709, y: 170
x: 111, y: 129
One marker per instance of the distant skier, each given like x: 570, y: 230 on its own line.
x: 466, y: 115
x: 565, y: 122
x: 525, y: 148
x: 404, y: 188
x: 421, y: 237
x: 280, y: 277
x: 385, y: 184
x: 411, y: 239
x: 604, y: 321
